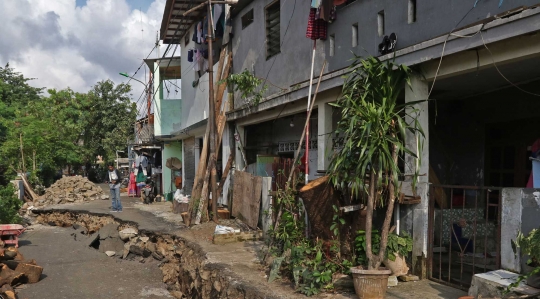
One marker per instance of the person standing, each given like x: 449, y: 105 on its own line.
x: 114, y: 185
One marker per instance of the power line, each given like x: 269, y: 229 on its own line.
x: 500, y: 73
x: 444, y: 47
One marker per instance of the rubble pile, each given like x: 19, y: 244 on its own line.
x: 69, y: 190
x: 15, y: 271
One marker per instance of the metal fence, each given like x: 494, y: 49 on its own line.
x: 464, y: 233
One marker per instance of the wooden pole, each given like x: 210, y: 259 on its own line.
x: 306, y: 125
x: 22, y: 153
x: 212, y: 112
x: 301, y: 139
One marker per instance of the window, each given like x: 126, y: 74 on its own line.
x: 272, y: 30
x: 247, y: 19
x: 412, y: 11
x: 332, y: 44
x: 355, y: 35
x: 380, y: 22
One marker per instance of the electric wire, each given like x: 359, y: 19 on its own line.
x: 444, y: 48
x: 500, y: 73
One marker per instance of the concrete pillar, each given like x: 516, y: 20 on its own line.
x: 324, y: 138
x: 238, y: 156
x: 418, y: 91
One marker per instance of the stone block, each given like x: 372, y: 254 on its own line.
x: 493, y: 284
x: 392, y: 281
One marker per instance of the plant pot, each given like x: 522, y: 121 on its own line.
x: 398, y: 267
x: 370, y: 284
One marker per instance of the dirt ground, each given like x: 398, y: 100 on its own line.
x: 74, y: 271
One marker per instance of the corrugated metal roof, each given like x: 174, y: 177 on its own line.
x: 174, y: 24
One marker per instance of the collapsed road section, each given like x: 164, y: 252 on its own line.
x: 184, y: 265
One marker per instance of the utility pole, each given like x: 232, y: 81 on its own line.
x: 212, y: 114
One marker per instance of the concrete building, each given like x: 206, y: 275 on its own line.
x: 476, y: 65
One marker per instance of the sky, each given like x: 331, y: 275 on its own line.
x: 76, y: 43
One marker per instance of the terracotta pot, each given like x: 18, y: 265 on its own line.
x: 370, y: 284
x: 398, y: 267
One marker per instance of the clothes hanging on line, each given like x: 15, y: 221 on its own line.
x: 324, y: 9
x: 317, y: 28
x: 216, y: 16
x: 190, y: 56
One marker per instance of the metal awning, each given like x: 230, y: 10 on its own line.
x: 174, y: 24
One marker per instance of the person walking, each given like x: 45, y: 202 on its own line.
x: 114, y: 184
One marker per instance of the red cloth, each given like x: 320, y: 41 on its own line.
x: 534, y: 149
x: 317, y: 28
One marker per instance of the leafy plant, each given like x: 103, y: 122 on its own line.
x: 310, y: 263
x: 336, y: 221
x: 247, y: 84
x: 401, y: 244
x: 372, y: 133
x: 9, y: 205
x: 529, y: 246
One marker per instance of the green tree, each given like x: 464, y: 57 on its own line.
x: 108, y: 121
x: 372, y: 130
x: 9, y: 205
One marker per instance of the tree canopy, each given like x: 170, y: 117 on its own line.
x: 62, y: 127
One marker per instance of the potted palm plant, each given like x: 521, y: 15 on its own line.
x: 372, y: 138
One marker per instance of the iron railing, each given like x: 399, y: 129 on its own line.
x: 464, y: 233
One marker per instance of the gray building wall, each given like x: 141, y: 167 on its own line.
x: 433, y: 18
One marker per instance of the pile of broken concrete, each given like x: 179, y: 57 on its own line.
x: 124, y: 242
x: 15, y: 271
x: 73, y: 189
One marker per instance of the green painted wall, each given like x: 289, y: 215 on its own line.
x: 170, y: 149
x: 170, y: 116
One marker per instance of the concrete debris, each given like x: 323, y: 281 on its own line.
x: 392, y: 281
x: 128, y: 233
x: 110, y: 253
x: 69, y: 190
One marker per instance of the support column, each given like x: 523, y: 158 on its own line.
x: 324, y: 140
x: 239, y: 144
x: 418, y: 217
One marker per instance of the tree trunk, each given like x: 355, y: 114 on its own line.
x: 369, y: 221
x: 389, y: 208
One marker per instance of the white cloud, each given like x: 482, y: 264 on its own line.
x: 67, y: 46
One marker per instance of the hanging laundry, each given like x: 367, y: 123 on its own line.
x: 218, y: 12
x: 196, y: 35
x: 198, y: 56
x: 333, y: 14
x: 317, y: 28
x: 199, y: 30
x: 190, y: 56
x: 227, y: 32
x: 315, y: 3
x: 205, y: 30
x: 324, y: 9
